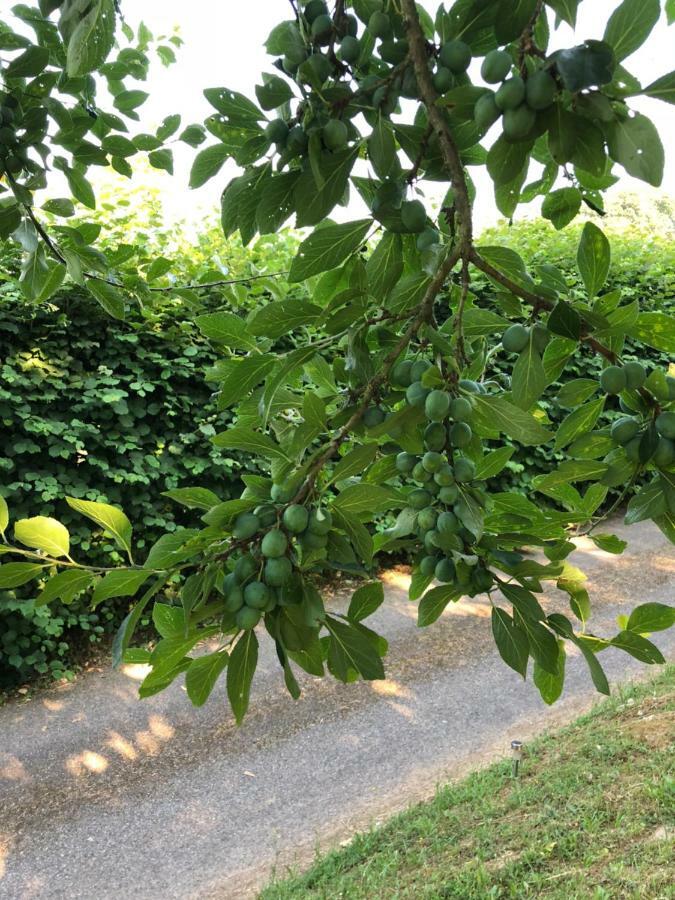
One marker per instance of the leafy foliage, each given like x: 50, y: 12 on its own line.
x: 417, y: 401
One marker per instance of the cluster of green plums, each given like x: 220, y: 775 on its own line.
x: 517, y: 337
x: 264, y: 574
x: 517, y: 100
x: 13, y: 158
x: 443, y: 477
x: 629, y: 432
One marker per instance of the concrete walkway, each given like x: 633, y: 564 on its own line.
x: 104, y: 796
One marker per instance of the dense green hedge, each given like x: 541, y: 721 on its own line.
x: 99, y: 409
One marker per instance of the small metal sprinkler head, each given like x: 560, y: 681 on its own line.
x: 516, y: 755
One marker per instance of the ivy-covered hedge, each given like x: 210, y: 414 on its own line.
x: 99, y: 409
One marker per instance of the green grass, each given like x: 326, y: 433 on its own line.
x: 592, y: 815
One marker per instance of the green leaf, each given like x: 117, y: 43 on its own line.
x: 228, y: 328
x: 207, y: 163
x: 561, y: 206
x: 577, y: 391
x: 528, y: 378
x: 274, y: 320
x: 365, y: 600
x: 327, y: 248
x: 511, y: 641
x: 10, y: 219
x: 372, y: 499
x: 243, y: 662
x: 543, y: 645
x: 60, y: 206
x: 385, y: 265
x: 580, y: 421
x: 479, y: 322
x: 128, y: 101
x: 235, y: 108
x: 382, y: 148
x: 550, y: 685
x: 565, y: 321
x: 650, y: 617
x: 29, y: 63
x: 408, y: 293
x: 354, y: 463
x: 4, y: 515
x: 313, y: 201
x: 119, y: 583
x: 193, y: 497
x: 638, y: 647
x: 656, y: 329
x: 493, y: 463
x: 357, y: 533
x: 566, y: 9
x: 92, y: 40
x: 241, y: 375
x: 593, y: 258
x: 288, y: 366
x: 571, y: 470
x: 496, y: 413
x: 243, y: 438
x: 110, y: 518
x: 597, y: 675
x: 170, y: 651
x: 202, y: 675
x: 662, y: 89
x: 434, y: 602
x: 65, y: 586
x: 610, y: 543
x: 108, y: 296
x: 168, y: 620
x: 630, y: 25
x: 40, y: 276
x: 647, y: 504
x: 43, y: 533
x: 80, y: 188
x: 15, y: 574
x: 274, y: 92
x: 634, y: 142
x: 349, y: 648
x: 161, y: 159
x: 126, y: 630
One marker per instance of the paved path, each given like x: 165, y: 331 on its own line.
x: 103, y: 796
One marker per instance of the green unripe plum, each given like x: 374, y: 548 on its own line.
x: 320, y: 521
x: 276, y: 131
x: 665, y: 424
x: 277, y: 571
x: 419, y: 499
x: 322, y: 28
x: 511, y: 94
x: 460, y: 434
x: 472, y: 387
x: 445, y: 571
x: 456, y: 56
x: 632, y: 449
x: 245, y: 526
x: 420, y: 366
x: 496, y: 66
x: 350, y: 25
x: 267, y: 515
x: 247, y: 618
x: 405, y: 462
x: 402, y: 373
x: 373, y: 417
x: 410, y: 87
x: 624, y: 430
x: 417, y: 394
x: 664, y: 455
x: 432, y: 461
x: 445, y: 476
x: 482, y: 580
x: 234, y: 599
x: 413, y: 216
x: 289, y: 66
x: 6, y: 115
x: 314, y: 9
x: 420, y: 474
x: 393, y: 52
x: 434, y: 436
x: 449, y: 494
x: 385, y: 99
x: 316, y: 68
x: 282, y: 493
x: 275, y: 543
x: 427, y: 518
x: 516, y: 338
x: 335, y: 134
x: 350, y: 48
x: 388, y: 198
x: 295, y: 518
x: 429, y: 542
x: 428, y: 565
x: 613, y: 380
x: 460, y: 409
x: 486, y: 112
x: 245, y: 567
x: 256, y: 595
x: 427, y: 238
x: 448, y: 523
x: 635, y: 375
x: 518, y: 123
x: 312, y: 541
x: 465, y: 469
x: 670, y: 381
x: 297, y: 139
x: 540, y: 90
x: 540, y: 336
x: 437, y: 405
x: 379, y: 24
x: 443, y: 79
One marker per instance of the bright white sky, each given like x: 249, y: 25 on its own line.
x: 224, y: 48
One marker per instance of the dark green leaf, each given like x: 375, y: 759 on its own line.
x: 327, y: 248
x: 511, y: 641
x: 202, y: 675
x: 650, y: 617
x: 593, y: 258
x: 365, y: 600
